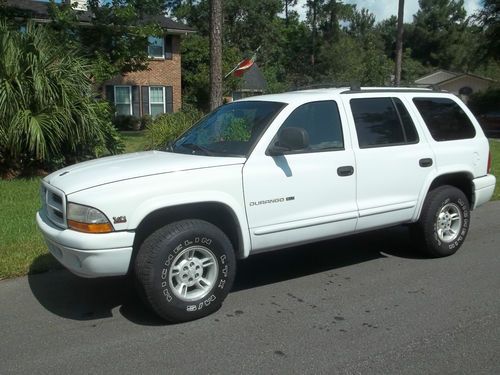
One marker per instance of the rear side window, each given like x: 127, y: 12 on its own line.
x: 382, y: 122
x: 321, y: 120
x: 445, y: 119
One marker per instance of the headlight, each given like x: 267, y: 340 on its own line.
x: 87, y: 219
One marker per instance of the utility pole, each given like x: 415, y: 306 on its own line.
x: 399, y: 44
x: 215, y: 53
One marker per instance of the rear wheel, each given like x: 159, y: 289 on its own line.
x: 185, y: 270
x: 444, y: 221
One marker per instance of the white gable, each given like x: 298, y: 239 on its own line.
x: 435, y: 78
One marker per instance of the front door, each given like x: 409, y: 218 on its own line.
x: 307, y: 194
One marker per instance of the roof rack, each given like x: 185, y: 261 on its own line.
x: 318, y: 86
x: 355, y: 88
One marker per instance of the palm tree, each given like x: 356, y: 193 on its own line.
x: 48, y: 108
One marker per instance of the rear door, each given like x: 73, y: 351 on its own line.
x: 392, y: 156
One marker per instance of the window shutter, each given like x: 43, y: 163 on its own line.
x: 110, y: 94
x: 168, y: 47
x: 169, y: 100
x: 136, y: 102
x: 145, y: 100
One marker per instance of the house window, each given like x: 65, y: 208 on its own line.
x: 156, y: 100
x: 156, y: 47
x: 123, y: 100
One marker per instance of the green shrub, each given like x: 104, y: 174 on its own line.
x: 484, y: 101
x: 127, y: 122
x: 146, y: 121
x: 169, y: 126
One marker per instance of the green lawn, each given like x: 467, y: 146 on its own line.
x: 495, y: 165
x: 134, y: 140
x: 21, y: 243
x: 22, y: 249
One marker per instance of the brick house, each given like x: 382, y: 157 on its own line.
x: 150, y: 92
x: 157, y: 89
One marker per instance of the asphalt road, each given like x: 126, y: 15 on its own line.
x: 367, y: 304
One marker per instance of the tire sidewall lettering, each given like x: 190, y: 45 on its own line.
x: 463, y: 230
x: 220, y: 284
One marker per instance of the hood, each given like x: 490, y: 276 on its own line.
x: 123, y: 167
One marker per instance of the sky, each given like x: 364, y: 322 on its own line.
x: 383, y: 9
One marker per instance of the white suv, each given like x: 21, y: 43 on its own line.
x: 265, y: 173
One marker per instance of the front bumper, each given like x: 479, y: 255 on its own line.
x: 483, y: 189
x: 88, y: 255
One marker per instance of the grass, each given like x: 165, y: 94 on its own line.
x: 495, y: 165
x: 22, y: 249
x: 134, y: 140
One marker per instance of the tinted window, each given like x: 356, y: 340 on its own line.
x: 445, y: 119
x: 321, y: 120
x: 408, y: 125
x: 377, y: 122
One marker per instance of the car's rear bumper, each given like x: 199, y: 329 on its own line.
x: 88, y: 255
x: 483, y: 189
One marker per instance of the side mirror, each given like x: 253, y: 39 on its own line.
x: 290, y: 139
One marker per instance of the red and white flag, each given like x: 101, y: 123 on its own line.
x: 243, y: 65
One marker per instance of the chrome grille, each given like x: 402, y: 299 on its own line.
x: 54, y: 204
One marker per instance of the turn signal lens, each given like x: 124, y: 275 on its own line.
x: 90, y: 228
x: 87, y: 219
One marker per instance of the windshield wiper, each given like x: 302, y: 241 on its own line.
x: 195, y: 147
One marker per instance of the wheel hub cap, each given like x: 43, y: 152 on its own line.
x: 449, y: 222
x: 193, y: 273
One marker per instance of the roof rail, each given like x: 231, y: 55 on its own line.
x: 356, y: 89
x: 318, y: 86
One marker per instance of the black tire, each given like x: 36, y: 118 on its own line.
x: 426, y: 230
x: 160, y: 282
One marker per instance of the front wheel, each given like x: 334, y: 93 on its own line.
x: 444, y: 221
x: 185, y: 270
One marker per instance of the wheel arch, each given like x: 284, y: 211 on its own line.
x: 461, y: 180
x: 216, y: 213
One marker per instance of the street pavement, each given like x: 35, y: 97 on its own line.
x: 366, y: 304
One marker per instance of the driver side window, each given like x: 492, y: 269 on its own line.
x: 321, y: 120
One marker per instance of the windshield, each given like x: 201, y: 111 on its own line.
x: 231, y: 130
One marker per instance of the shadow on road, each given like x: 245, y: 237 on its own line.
x: 72, y: 297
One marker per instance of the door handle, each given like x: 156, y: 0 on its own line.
x: 426, y: 162
x: 345, y: 171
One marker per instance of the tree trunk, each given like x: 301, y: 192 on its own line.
x: 399, y: 44
x: 313, y: 42
x: 215, y: 53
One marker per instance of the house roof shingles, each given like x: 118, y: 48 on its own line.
x: 40, y: 10
x: 441, y: 76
